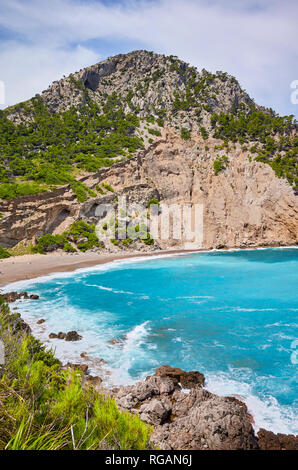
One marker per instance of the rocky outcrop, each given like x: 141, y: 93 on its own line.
x: 197, y: 419
x: 13, y: 296
x: 190, y: 379
x: 192, y: 421
x: 70, y: 336
x: 244, y: 205
x: 267, y: 440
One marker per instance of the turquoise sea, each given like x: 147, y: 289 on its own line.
x: 229, y: 314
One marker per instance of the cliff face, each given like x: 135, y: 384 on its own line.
x: 244, y: 205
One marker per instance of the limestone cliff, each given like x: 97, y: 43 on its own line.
x: 244, y: 205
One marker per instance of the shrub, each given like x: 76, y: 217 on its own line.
x: 220, y: 164
x: 153, y: 201
x: 4, y: 253
x: 185, y: 134
x: 45, y: 407
x: 108, y: 187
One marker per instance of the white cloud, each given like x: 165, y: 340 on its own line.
x: 255, y: 41
x: 30, y: 69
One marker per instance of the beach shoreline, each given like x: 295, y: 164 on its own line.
x: 26, y: 267
x: 32, y: 266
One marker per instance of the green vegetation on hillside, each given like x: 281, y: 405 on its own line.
x: 275, y: 143
x: 51, y: 148
x: 45, y: 407
x: 220, y: 164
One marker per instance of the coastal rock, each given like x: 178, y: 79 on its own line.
x: 214, y: 423
x: 267, y: 440
x: 39, y: 322
x: 13, y: 296
x: 93, y: 380
x: 190, y: 421
x: 187, y: 379
x: 72, y: 336
x: 60, y: 335
x: 18, y: 324
x: 132, y: 396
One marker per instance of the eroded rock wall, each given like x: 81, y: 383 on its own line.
x: 244, y: 205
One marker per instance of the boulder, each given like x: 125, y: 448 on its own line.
x: 61, y: 335
x: 39, y: 322
x: 34, y: 297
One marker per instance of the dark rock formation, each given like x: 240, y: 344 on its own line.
x: 13, y: 296
x: 39, y: 322
x: 72, y: 336
x: 187, y: 379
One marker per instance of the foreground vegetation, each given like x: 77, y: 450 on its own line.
x: 45, y: 407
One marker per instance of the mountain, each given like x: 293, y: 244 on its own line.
x: 165, y: 131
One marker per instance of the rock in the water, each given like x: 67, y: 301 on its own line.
x: 39, y: 322
x: 53, y: 336
x: 187, y: 379
x: 61, y: 335
x: 114, y: 341
x: 13, y: 296
x: 34, y: 296
x: 267, y: 440
x: 72, y: 336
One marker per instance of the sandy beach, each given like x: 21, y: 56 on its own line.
x: 19, y: 268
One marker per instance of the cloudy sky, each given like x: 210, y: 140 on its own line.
x: 254, y: 40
